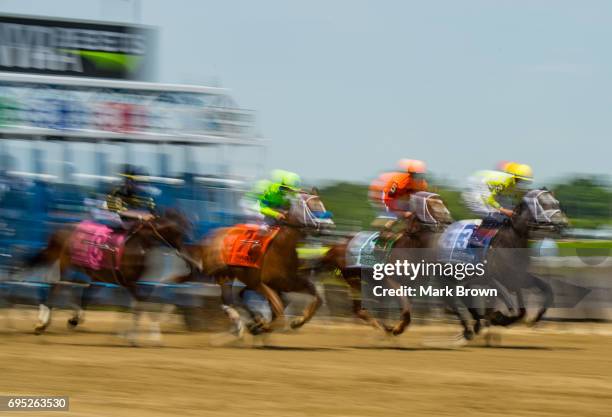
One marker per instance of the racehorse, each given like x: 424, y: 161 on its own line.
x: 276, y: 267
x: 421, y: 231
x: 507, y: 258
x: 170, y: 229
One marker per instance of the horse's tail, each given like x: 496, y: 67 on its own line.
x: 51, y: 252
x: 334, y: 259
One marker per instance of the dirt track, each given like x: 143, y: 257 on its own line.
x: 324, y: 370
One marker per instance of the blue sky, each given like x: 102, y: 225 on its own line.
x: 345, y: 88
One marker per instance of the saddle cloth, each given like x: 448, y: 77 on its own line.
x: 246, y: 244
x: 466, y: 241
x: 365, y: 249
x: 96, y: 246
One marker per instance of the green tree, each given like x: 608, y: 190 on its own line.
x: 586, y: 201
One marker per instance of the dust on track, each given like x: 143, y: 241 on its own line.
x: 325, y: 369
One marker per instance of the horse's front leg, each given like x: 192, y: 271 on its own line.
x: 78, y: 307
x: 132, y: 334
x: 76, y: 319
x: 456, y: 307
x: 498, y: 318
x: 548, y: 295
x: 309, y: 288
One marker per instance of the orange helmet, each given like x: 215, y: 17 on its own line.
x: 412, y: 166
x: 502, y: 165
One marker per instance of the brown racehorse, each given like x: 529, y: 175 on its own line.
x: 420, y: 232
x: 170, y: 230
x: 278, y: 271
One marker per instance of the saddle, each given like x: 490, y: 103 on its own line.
x: 97, y: 246
x: 485, y: 233
x: 246, y: 244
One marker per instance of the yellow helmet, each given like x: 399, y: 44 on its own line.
x: 519, y: 171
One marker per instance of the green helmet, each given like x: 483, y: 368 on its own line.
x: 287, y: 179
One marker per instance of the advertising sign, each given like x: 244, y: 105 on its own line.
x: 76, y: 48
x: 106, y: 111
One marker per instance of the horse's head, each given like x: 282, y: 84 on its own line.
x: 430, y: 210
x: 539, y: 212
x: 307, y: 211
x: 173, y: 226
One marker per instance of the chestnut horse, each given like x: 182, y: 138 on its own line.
x: 278, y: 271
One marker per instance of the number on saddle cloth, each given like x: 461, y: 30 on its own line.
x: 467, y: 240
x: 96, y: 246
x: 245, y: 244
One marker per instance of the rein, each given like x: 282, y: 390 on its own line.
x: 177, y: 252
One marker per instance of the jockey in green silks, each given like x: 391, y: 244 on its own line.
x: 274, y: 197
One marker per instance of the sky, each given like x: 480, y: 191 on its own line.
x: 343, y: 89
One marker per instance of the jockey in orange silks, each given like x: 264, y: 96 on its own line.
x: 391, y: 192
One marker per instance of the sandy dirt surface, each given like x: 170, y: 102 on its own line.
x: 325, y: 369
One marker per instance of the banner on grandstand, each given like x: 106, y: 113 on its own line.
x: 76, y: 48
x: 107, y: 112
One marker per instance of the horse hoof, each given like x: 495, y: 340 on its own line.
x: 238, y: 331
x: 468, y: 335
x: 297, y: 323
x: 40, y: 329
x: 255, y: 328
x: 388, y: 329
x: 499, y: 319
x: 397, y: 331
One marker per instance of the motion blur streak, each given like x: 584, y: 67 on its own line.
x: 142, y: 214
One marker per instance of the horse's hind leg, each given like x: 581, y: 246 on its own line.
x: 359, y: 311
x: 310, y: 310
x: 278, y: 309
x: 44, y: 319
x: 132, y: 333
x: 227, y: 305
x: 405, y: 316
x: 44, y: 311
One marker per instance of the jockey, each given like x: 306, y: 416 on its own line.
x: 274, y: 196
x: 129, y: 200
x: 494, y: 194
x: 391, y: 192
x: 392, y: 189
